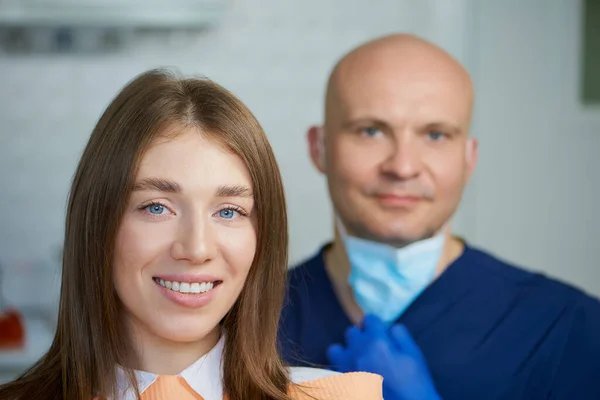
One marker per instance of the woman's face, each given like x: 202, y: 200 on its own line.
x: 187, y: 240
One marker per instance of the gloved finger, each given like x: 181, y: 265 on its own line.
x: 340, y: 358
x: 402, y: 338
x: 379, y: 356
x: 354, y: 338
x: 374, y: 326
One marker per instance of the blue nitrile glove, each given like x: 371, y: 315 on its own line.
x: 392, y: 354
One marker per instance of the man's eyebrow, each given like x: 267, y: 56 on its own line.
x: 443, y: 126
x: 353, y: 123
x: 161, y: 185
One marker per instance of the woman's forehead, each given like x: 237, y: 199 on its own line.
x: 193, y: 159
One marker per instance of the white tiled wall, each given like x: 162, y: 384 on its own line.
x: 274, y: 54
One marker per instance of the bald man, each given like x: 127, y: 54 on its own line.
x: 444, y: 319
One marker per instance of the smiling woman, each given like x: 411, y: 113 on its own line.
x: 175, y: 259
x: 190, y: 223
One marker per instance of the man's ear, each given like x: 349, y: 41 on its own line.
x: 316, y: 147
x: 471, y: 154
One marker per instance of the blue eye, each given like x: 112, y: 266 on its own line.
x: 156, y: 209
x: 371, y: 131
x: 435, y: 136
x: 228, y: 213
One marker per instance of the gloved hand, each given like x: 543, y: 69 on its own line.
x: 392, y: 354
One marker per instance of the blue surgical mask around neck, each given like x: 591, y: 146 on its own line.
x: 385, y: 280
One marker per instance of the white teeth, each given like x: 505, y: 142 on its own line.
x: 186, y: 287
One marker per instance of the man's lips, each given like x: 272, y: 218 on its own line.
x: 398, y: 200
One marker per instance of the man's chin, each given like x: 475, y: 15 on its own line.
x: 396, y: 236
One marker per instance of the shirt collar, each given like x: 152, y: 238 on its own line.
x: 204, y: 376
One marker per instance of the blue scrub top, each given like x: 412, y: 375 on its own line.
x: 488, y: 330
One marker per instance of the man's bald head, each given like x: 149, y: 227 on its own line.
x: 388, y: 62
x: 395, y: 145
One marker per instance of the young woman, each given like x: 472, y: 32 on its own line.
x: 175, y: 258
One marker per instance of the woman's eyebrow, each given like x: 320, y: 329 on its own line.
x: 234, y: 191
x: 161, y: 185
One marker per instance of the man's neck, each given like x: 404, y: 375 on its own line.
x: 337, y: 266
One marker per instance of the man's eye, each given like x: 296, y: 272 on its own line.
x: 371, y: 131
x: 435, y: 135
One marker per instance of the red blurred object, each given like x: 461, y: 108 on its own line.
x: 12, y: 332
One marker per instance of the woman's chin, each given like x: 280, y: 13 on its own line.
x: 188, y: 333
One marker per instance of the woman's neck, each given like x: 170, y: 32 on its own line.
x: 157, y: 355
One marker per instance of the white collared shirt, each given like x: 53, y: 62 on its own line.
x: 205, y: 376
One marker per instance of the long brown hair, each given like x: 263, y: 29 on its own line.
x: 89, y: 343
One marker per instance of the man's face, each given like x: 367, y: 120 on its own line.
x: 396, y: 152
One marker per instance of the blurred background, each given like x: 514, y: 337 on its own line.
x: 535, y: 63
